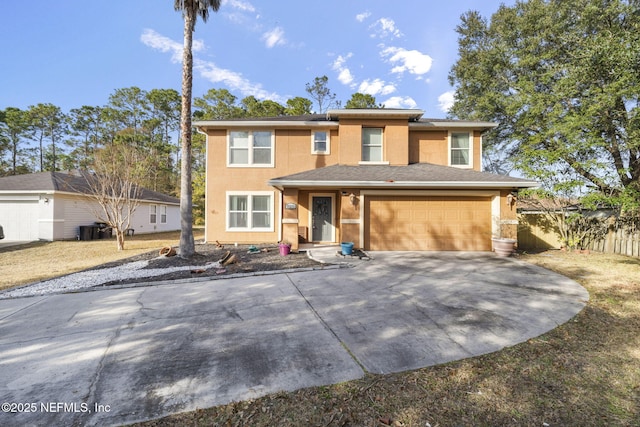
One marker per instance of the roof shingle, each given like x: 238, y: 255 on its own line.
x: 67, y: 182
x: 417, y: 175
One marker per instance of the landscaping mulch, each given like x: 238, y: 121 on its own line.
x: 267, y: 258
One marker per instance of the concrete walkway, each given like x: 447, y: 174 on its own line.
x: 117, y: 356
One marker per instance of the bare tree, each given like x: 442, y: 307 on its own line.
x: 321, y: 93
x: 114, y: 187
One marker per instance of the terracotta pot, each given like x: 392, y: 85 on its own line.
x: 503, y: 247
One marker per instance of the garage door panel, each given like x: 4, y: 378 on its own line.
x: 19, y: 219
x: 428, y: 223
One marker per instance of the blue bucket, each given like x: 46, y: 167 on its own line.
x: 347, y: 248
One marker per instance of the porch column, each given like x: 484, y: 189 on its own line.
x: 508, y: 218
x: 290, y: 217
x: 350, y: 217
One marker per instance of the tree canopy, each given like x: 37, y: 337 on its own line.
x: 320, y: 92
x: 362, y: 100
x: 43, y: 137
x: 562, y: 77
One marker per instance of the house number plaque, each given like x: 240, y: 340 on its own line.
x: 290, y: 206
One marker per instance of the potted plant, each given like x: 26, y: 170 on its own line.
x: 503, y: 247
x: 285, y: 248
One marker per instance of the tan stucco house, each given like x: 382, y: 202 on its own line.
x: 385, y: 179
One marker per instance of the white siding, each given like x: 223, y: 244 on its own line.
x: 59, y: 216
x: 141, y: 221
x: 78, y: 211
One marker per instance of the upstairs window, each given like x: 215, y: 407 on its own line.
x: 460, y: 149
x: 320, y: 142
x: 371, y: 144
x: 250, y: 148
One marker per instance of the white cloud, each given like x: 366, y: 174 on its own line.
x: 400, y: 102
x: 446, y: 100
x: 274, y: 37
x: 345, y: 77
x: 344, y: 73
x: 385, y: 27
x: 239, y: 12
x: 162, y: 43
x: 362, y: 16
x: 233, y: 80
x: 413, y: 61
x: 239, y: 5
x: 207, y: 69
x: 376, y: 87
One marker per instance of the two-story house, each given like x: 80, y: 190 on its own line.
x: 385, y: 179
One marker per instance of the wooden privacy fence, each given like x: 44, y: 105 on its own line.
x: 535, y: 232
x: 620, y: 241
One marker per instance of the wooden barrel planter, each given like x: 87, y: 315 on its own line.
x: 167, y: 251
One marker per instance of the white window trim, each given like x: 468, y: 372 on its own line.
x: 250, y: 163
x: 249, y: 195
x: 313, y: 145
x: 163, y: 213
x: 372, y: 163
x: 470, y: 165
x: 382, y: 156
x: 153, y: 210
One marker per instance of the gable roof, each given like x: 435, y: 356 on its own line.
x: 416, y: 175
x: 65, y: 182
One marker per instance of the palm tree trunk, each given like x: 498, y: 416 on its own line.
x: 187, y: 245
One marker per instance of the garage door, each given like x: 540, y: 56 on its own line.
x: 19, y: 219
x: 427, y: 223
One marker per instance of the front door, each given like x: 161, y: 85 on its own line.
x: 322, y: 219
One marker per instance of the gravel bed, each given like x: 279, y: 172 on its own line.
x: 90, y: 278
x: 150, y: 267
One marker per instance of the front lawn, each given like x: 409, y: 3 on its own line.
x: 32, y: 262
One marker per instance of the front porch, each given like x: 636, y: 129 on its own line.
x: 320, y: 217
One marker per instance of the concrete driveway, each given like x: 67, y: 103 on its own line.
x: 116, y: 356
x: 10, y: 243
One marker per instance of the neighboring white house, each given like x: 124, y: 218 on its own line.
x: 52, y: 206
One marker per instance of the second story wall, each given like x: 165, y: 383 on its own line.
x: 351, y: 141
x: 395, y: 137
x: 293, y: 152
x: 435, y: 146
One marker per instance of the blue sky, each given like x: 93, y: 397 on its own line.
x: 72, y: 53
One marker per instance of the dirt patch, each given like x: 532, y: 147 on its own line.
x: 247, y: 259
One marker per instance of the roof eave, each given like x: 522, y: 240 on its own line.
x: 402, y: 184
x: 409, y: 114
x: 226, y: 124
x: 437, y: 125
